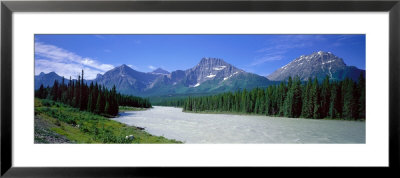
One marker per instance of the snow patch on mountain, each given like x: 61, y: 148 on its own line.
x: 219, y: 68
x: 327, y: 62
x: 211, y: 76
x: 226, y: 78
x: 196, y: 85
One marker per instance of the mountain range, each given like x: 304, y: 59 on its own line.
x: 210, y: 75
x: 46, y: 79
x: 213, y: 75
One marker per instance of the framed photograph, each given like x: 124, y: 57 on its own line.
x: 103, y: 88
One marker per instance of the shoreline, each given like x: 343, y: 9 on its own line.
x: 252, y: 114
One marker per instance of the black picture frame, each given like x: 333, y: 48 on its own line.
x: 8, y: 7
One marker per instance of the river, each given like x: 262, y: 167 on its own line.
x: 172, y: 123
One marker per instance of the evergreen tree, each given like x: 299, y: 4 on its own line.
x: 268, y: 101
x: 244, y: 101
x: 90, y: 99
x: 335, y: 106
x: 308, y: 107
x: 297, y: 100
x: 288, y: 103
x: 315, y: 96
x: 77, y: 93
x: 113, y: 102
x: 54, y: 91
x: 325, y: 97
x: 41, y: 92
x: 281, y: 95
x: 100, y: 104
x: 293, y: 101
x: 70, y: 92
x: 361, y: 99
x: 349, y: 104
x: 84, y: 95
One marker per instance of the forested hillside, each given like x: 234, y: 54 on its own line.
x: 93, y: 98
x: 311, y: 99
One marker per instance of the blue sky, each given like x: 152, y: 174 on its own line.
x: 261, y: 54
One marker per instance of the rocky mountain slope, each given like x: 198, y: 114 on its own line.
x: 126, y: 79
x: 46, y: 79
x: 160, y: 71
x: 210, y: 75
x: 318, y: 64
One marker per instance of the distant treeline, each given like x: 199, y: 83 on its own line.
x: 93, y: 98
x: 292, y: 98
x: 175, y: 102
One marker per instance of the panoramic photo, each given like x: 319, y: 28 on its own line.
x: 199, y: 89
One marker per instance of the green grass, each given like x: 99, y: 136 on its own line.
x: 128, y: 108
x: 85, y: 127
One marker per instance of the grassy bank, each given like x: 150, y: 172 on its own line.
x: 128, y: 108
x: 59, y: 123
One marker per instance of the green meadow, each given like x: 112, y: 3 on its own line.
x: 59, y: 123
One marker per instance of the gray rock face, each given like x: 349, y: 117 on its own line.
x: 99, y: 77
x: 171, y: 79
x: 126, y: 79
x: 207, y: 69
x: 160, y: 71
x: 46, y: 79
x: 210, y: 69
x: 318, y: 64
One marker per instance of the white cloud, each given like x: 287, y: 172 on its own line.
x: 344, y: 37
x: 266, y: 59
x: 133, y: 67
x: 277, y: 47
x: 55, y: 53
x: 64, y: 69
x: 94, y: 64
x: 152, y: 67
x: 55, y: 59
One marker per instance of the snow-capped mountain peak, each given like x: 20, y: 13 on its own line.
x: 318, y: 64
